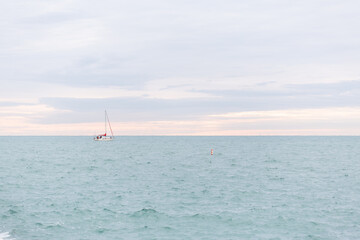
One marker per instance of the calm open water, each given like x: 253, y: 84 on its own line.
x: 172, y: 188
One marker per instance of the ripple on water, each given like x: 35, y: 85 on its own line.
x: 55, y: 225
x: 146, y: 213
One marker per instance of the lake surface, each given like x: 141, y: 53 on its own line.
x: 172, y: 188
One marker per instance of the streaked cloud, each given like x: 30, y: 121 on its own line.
x: 327, y: 121
x: 298, y: 114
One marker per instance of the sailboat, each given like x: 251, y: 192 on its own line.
x: 105, y: 137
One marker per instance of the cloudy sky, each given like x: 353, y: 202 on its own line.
x: 160, y: 67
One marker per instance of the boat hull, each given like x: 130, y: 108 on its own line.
x: 103, y: 139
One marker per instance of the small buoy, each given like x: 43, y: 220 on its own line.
x: 212, y: 152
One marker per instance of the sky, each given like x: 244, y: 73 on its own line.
x: 229, y: 67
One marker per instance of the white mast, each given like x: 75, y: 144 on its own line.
x: 105, y: 121
x: 112, y: 134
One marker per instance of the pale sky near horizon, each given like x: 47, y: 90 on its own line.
x: 230, y: 67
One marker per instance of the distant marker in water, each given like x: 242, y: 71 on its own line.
x: 212, y: 152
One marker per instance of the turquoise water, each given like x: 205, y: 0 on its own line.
x: 172, y: 188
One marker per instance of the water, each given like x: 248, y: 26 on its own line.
x: 172, y: 188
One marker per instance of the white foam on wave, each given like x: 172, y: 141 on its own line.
x: 5, y: 236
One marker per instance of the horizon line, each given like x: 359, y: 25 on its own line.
x: 184, y: 136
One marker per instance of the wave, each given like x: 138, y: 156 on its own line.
x: 146, y: 212
x: 55, y: 225
x: 5, y: 236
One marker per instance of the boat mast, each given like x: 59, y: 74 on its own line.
x: 112, y: 134
x: 105, y: 121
